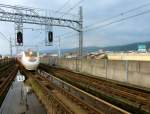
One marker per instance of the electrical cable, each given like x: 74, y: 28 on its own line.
x: 63, y: 6
x: 70, y: 9
x: 91, y: 26
x: 109, y: 19
x: 122, y: 13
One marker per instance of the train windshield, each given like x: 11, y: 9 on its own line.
x: 31, y: 54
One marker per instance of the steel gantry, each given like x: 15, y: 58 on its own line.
x: 20, y: 15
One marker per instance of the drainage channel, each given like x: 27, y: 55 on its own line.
x: 21, y: 99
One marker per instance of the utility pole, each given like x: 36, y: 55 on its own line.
x: 79, y: 59
x: 59, y: 48
x: 10, y: 46
x: 10, y: 42
x: 81, y: 33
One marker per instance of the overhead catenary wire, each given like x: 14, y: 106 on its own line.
x: 4, y: 37
x: 74, y: 6
x: 119, y: 20
x: 121, y: 14
x: 112, y: 22
x: 63, y: 6
x: 109, y: 19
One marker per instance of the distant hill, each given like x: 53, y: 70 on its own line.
x: 128, y: 47
x: 86, y: 50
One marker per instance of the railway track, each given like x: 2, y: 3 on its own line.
x: 81, y: 101
x: 7, y: 74
x: 133, y: 100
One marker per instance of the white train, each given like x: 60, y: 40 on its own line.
x: 29, y: 59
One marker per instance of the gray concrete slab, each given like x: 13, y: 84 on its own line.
x: 21, y: 100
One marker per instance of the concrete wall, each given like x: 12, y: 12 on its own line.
x: 133, y: 72
x: 129, y: 56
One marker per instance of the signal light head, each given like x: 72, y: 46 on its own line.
x: 19, y: 38
x: 50, y: 36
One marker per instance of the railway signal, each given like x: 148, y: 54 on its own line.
x: 19, y: 38
x: 50, y: 37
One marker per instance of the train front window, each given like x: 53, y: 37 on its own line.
x: 31, y: 54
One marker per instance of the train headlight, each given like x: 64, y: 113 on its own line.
x: 26, y: 58
x: 30, y: 53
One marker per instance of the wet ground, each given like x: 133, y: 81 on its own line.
x: 20, y: 99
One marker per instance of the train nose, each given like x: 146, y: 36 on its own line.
x: 32, y: 59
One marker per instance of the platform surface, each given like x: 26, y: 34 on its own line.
x: 21, y: 100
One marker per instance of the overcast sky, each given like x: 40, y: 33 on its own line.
x: 94, y: 12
